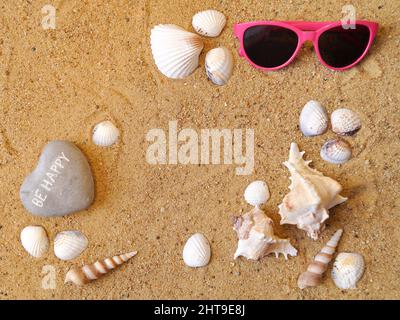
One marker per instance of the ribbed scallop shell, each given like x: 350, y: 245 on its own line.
x: 209, y: 23
x: 35, y: 241
x: 256, y: 193
x: 313, y: 119
x: 69, y: 245
x: 175, y: 50
x: 219, y: 65
x: 348, y: 269
x: 105, y: 134
x: 345, y: 122
x: 336, y: 151
x: 197, y: 251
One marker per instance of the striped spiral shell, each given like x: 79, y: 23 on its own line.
x: 313, y: 276
x: 94, y: 271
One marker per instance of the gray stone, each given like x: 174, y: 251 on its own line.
x: 62, y: 182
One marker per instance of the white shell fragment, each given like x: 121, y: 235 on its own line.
x: 197, y: 251
x: 256, y: 193
x: 175, y: 50
x: 313, y: 119
x: 257, y: 239
x: 311, y: 195
x: 35, y: 241
x: 345, y: 122
x: 348, y: 269
x: 219, y: 65
x: 105, y: 134
x: 336, y: 151
x: 209, y: 23
x: 69, y: 245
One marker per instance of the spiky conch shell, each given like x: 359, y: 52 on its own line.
x: 256, y: 237
x: 311, y: 195
x: 313, y: 276
x: 87, y: 273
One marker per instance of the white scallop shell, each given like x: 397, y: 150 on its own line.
x: 313, y: 119
x: 105, y: 134
x: 209, y: 23
x: 348, y: 269
x: 35, y: 241
x: 175, y: 50
x: 345, y: 122
x: 336, y: 151
x: 219, y: 65
x: 256, y: 193
x: 197, y: 251
x: 69, y: 244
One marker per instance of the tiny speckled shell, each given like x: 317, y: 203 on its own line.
x: 348, y: 269
x: 345, y: 122
x: 336, y: 151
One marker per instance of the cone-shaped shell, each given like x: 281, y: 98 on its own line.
x: 175, y: 50
x: 209, y: 23
x: 69, y: 245
x: 105, y: 134
x: 348, y: 269
x: 336, y: 151
x: 219, y: 65
x: 35, y: 241
x: 256, y: 193
x: 197, y: 251
x: 313, y: 119
x: 92, y: 272
x: 345, y: 122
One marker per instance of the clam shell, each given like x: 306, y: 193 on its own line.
x: 105, y: 134
x: 348, y: 269
x: 69, y: 244
x: 209, y: 23
x: 35, y: 241
x: 219, y: 65
x: 336, y: 151
x: 313, y: 119
x: 197, y: 251
x: 175, y: 50
x: 345, y: 122
x: 256, y: 193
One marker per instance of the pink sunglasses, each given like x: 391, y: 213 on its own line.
x: 272, y: 45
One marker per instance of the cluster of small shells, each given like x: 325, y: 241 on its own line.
x: 314, y: 121
x: 176, y: 51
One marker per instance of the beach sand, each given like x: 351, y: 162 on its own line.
x: 97, y: 64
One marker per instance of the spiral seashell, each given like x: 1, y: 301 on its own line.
x: 345, y: 122
x: 197, y: 251
x: 313, y: 276
x: 35, y: 241
x: 105, y: 134
x: 69, y: 244
x: 219, y: 65
x: 256, y: 193
x: 209, y: 23
x: 348, y: 269
x: 94, y: 271
x: 336, y: 151
x: 313, y: 119
x: 175, y: 50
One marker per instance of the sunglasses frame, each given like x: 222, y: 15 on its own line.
x: 305, y: 31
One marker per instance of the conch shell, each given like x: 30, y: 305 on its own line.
x: 256, y: 237
x: 311, y: 195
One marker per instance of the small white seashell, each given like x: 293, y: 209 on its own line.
x: 69, y: 244
x: 348, y: 268
x: 209, y: 23
x: 197, y: 251
x: 105, y: 134
x: 313, y: 119
x: 256, y: 193
x: 219, y: 65
x: 345, y: 122
x: 336, y: 151
x: 175, y: 50
x: 35, y: 241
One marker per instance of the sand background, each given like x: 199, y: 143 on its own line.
x: 97, y: 64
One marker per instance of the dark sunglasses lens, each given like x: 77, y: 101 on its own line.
x: 341, y: 47
x: 269, y: 46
